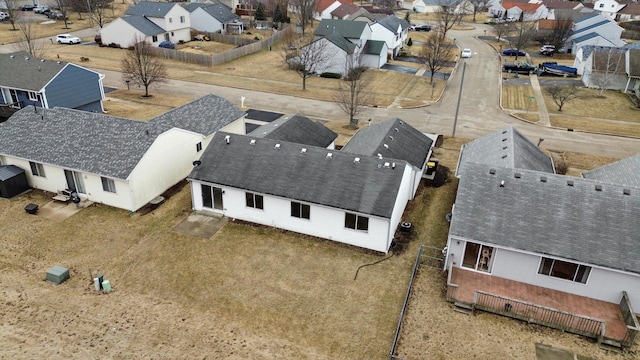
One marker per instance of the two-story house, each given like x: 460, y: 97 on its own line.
x: 393, y: 31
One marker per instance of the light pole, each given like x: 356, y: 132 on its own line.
x: 455, y: 119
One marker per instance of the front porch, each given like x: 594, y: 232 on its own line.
x: 604, y: 321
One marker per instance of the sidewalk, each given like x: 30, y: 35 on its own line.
x: 542, y: 108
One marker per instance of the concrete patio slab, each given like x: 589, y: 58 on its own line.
x: 58, y: 211
x: 201, y: 225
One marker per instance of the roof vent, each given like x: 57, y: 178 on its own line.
x: 569, y: 182
x: 393, y: 165
x: 543, y: 179
x: 517, y: 175
x: 598, y: 187
x: 42, y: 60
x: 626, y: 191
x: 277, y: 146
x: 304, y: 150
x: 504, y: 139
x: 390, y: 137
x: 504, y: 156
x: 11, y: 56
x: 492, y: 171
x: 252, y: 142
x: 502, y: 183
x: 401, y: 122
x: 396, y: 129
x: 58, y: 62
x: 386, y: 164
x: 26, y: 58
x: 196, y: 163
x: 504, y: 131
x: 379, y: 156
x: 385, y: 146
x: 356, y: 160
x: 504, y: 147
x: 227, y: 139
x: 329, y: 155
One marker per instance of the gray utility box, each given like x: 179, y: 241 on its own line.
x: 57, y: 274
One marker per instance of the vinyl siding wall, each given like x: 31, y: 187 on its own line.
x: 75, y: 87
x: 202, y: 21
x: 323, y: 222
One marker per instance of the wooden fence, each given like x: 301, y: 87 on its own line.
x: 200, y: 59
x: 541, y: 315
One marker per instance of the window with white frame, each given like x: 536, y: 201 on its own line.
x: 564, y: 270
x: 108, y: 185
x: 302, y: 211
x: 154, y: 38
x: 33, y: 96
x: 254, y: 200
x: 199, y: 147
x: 182, y: 19
x: 36, y: 169
x: 356, y: 222
x: 170, y: 20
x: 478, y: 257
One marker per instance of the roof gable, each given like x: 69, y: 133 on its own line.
x: 339, y: 41
x: 392, y: 139
x: 218, y: 11
x: 143, y: 25
x: 22, y: 71
x: 630, y: 9
x: 507, y: 148
x: 392, y: 23
x: 525, y: 7
x: 623, y: 172
x: 302, y: 173
x: 344, y: 10
x: 150, y: 8
x: 547, y: 214
x: 297, y: 129
x: 374, y: 47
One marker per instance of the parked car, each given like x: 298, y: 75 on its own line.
x: 423, y: 28
x: 98, y: 39
x: 511, y: 19
x: 466, y: 53
x: 547, y: 50
x: 41, y: 9
x: 513, y: 52
x: 67, y: 39
x: 3, y: 16
x: 167, y: 45
x: 519, y: 67
x: 27, y: 7
x: 55, y: 15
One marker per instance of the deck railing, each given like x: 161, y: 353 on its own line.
x: 541, y: 315
x: 630, y: 320
x: 452, y: 288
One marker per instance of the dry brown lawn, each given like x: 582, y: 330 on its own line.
x: 131, y: 104
x: 517, y: 97
x: 614, y: 105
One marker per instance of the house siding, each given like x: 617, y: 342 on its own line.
x: 602, y: 284
x: 202, y: 21
x: 75, y: 87
x: 123, y: 34
x: 324, y: 222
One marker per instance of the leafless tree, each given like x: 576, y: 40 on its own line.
x: 13, y: 11
x: 387, y: 4
x: 63, y: 5
x: 28, y: 39
x: 608, y: 64
x: 523, y: 31
x: 502, y: 30
x: 304, y: 9
x: 562, y: 30
x: 477, y: 6
x: 98, y: 9
x: 289, y: 45
x: 447, y: 16
x: 140, y: 67
x: 78, y: 6
x: 562, y: 94
x: 312, y: 57
x: 435, y: 53
x: 352, y: 94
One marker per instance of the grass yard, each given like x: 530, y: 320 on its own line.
x: 131, y: 104
x: 517, y: 97
x: 614, y: 105
x: 631, y: 129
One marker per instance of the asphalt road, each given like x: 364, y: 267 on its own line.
x: 479, y: 109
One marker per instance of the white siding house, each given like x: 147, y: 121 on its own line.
x: 392, y: 31
x: 608, y: 8
x: 212, y: 17
x: 115, y: 161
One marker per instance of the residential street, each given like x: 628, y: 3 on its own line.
x: 479, y: 112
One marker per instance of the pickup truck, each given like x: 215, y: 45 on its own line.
x: 520, y: 67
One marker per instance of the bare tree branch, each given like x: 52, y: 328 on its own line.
x: 352, y: 94
x: 523, y: 32
x: 447, y: 16
x: 14, y: 12
x: 607, y: 65
x: 312, y: 57
x: 64, y: 9
x: 28, y: 39
x: 304, y: 9
x: 561, y: 95
x: 435, y: 53
x: 141, y: 67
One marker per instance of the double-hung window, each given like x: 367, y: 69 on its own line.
x: 254, y: 200
x: 302, y: 211
x: 108, y: 185
x: 356, y: 222
x: 37, y: 169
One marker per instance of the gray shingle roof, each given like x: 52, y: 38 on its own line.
x: 218, y: 11
x: 204, y: 116
x: 297, y: 129
x: 592, y: 15
x: 587, y: 29
x: 623, y: 172
x: 339, y: 41
x: 549, y: 217
x: 98, y: 143
x: 590, y: 36
x: 347, y: 28
x: 393, y: 139
x: 506, y: 148
x: 32, y: 74
x: 143, y: 25
x: 150, y: 8
x: 336, y: 181
x: 391, y: 23
x: 373, y: 47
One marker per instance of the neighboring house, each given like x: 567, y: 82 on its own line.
x: 349, y: 198
x: 25, y: 81
x: 364, y: 15
x: 172, y: 23
x: 393, y: 31
x: 339, y: 54
x: 344, y: 11
x: 298, y: 129
x: 423, y: 6
x: 514, y: 9
x: 624, y: 171
x: 605, y: 67
x: 516, y: 225
x: 630, y: 12
x: 559, y: 8
x: 597, y: 30
x: 213, y: 18
x: 357, y: 32
x: 632, y: 65
x: 325, y: 7
x: 608, y: 8
x: 374, y: 54
x: 115, y: 161
x: 394, y: 139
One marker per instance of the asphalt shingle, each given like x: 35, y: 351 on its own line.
x: 22, y: 71
x: 297, y: 129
